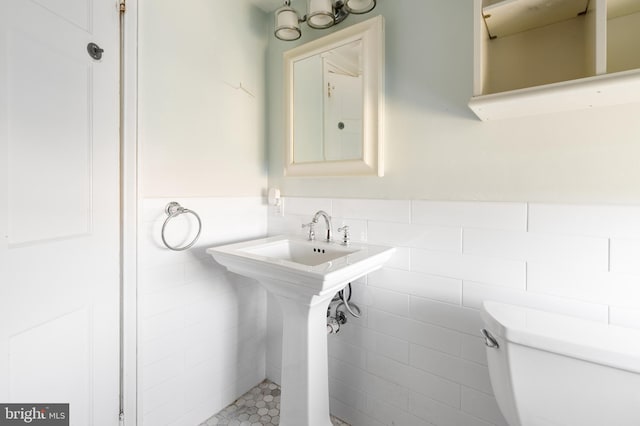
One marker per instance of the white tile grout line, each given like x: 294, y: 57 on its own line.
x: 608, y: 254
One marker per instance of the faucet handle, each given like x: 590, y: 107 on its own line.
x: 346, y: 236
x: 312, y: 232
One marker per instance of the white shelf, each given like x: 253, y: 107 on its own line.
x: 537, y: 56
x: 510, y: 17
x: 623, y: 35
x: 605, y: 90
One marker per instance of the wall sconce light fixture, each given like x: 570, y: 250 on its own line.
x: 320, y: 14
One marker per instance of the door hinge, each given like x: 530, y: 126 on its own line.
x: 123, y: 6
x: 121, y: 418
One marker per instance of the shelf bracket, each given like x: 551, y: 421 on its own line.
x: 484, y: 19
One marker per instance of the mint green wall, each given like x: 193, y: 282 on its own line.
x: 200, y: 135
x: 435, y: 146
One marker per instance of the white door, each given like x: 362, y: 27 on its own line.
x: 343, y: 112
x: 59, y: 220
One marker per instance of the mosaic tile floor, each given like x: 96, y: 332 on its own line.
x: 258, y: 407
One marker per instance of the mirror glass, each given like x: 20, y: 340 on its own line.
x: 328, y: 94
x: 333, y: 103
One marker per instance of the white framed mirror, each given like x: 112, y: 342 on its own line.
x: 334, y: 100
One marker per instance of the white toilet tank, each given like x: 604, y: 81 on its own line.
x: 554, y: 370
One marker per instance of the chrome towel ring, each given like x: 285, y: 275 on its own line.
x: 172, y: 210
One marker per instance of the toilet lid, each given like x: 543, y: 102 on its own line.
x: 592, y: 341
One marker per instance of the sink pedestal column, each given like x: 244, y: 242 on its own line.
x: 303, y: 276
x: 305, y: 373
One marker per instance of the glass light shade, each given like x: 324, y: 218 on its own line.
x: 320, y: 13
x: 287, y: 26
x: 359, y: 6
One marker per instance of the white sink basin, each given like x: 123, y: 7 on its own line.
x: 317, y: 265
x: 302, y: 252
x: 303, y: 276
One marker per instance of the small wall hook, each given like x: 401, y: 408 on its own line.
x: 241, y: 87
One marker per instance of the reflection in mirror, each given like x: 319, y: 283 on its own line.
x: 329, y: 85
x: 333, y: 101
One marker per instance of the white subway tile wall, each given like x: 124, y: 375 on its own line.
x: 201, y: 329
x: 416, y: 356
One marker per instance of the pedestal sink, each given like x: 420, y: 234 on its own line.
x: 303, y: 276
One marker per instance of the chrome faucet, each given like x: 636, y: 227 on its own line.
x: 327, y: 221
